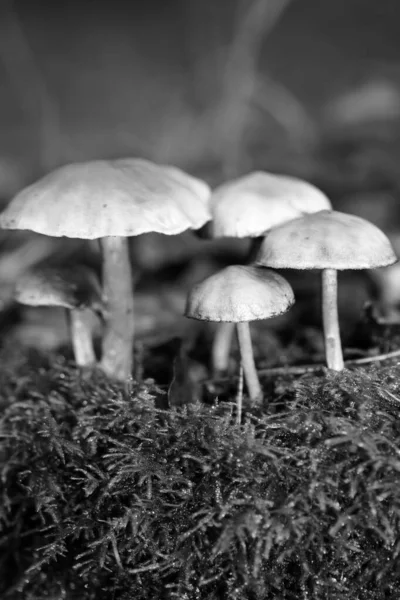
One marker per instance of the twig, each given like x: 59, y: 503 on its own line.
x: 377, y: 357
x: 298, y: 370
x: 312, y: 368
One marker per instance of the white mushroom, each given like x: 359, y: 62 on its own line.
x: 112, y: 200
x: 78, y: 290
x: 239, y: 294
x: 331, y: 241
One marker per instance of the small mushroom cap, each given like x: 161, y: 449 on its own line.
x: 250, y: 205
x: 326, y: 240
x: 240, y: 293
x: 76, y: 287
x: 110, y: 198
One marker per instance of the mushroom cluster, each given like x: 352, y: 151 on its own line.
x: 111, y: 201
x: 291, y: 224
x: 248, y: 207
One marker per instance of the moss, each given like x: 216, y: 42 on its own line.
x: 106, y: 496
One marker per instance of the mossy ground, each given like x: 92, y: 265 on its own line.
x: 107, y: 495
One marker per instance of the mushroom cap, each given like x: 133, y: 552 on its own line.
x: 240, y: 293
x: 101, y: 198
x: 75, y: 287
x: 250, y: 205
x: 326, y: 240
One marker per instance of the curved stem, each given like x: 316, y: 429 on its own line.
x: 249, y: 367
x: 330, y: 319
x: 81, y: 336
x: 117, y: 345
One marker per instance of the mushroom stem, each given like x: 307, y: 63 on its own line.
x: 249, y: 367
x: 117, y: 345
x: 221, y: 347
x: 330, y: 319
x: 223, y: 336
x: 81, y: 336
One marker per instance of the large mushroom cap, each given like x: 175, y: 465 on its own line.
x: 110, y: 198
x: 250, y: 205
x: 76, y: 287
x: 326, y: 240
x: 238, y: 294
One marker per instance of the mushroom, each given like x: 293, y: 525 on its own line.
x: 78, y: 290
x: 112, y: 200
x: 386, y: 290
x: 239, y: 294
x: 331, y: 241
x: 248, y: 207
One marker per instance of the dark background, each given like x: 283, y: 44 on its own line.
x: 165, y: 79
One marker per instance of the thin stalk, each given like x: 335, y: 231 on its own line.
x: 249, y: 367
x: 117, y: 345
x: 239, y: 395
x: 330, y: 319
x: 79, y: 321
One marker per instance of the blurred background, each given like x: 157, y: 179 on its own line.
x: 217, y: 87
x: 205, y: 84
